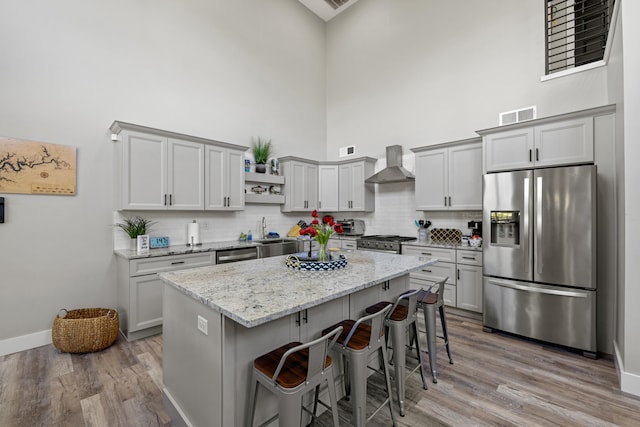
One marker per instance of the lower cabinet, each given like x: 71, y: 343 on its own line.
x: 140, y: 290
x: 463, y: 289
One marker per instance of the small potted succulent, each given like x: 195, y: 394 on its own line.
x: 261, y: 152
x: 134, y: 227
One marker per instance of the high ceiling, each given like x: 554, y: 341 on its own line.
x: 327, y: 9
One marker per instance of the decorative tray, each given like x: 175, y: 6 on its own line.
x: 302, y: 262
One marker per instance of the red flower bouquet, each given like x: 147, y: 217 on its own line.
x: 321, y: 232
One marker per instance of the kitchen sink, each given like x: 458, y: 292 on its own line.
x: 275, y: 247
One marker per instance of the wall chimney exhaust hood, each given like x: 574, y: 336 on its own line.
x: 394, y: 172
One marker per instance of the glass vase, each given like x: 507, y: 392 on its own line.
x: 323, y: 255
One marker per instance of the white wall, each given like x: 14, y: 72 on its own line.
x: 631, y: 69
x: 421, y: 72
x: 216, y: 69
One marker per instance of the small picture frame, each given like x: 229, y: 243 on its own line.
x: 143, y: 243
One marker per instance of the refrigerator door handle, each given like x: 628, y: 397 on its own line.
x: 574, y: 294
x: 525, y: 227
x: 539, y: 224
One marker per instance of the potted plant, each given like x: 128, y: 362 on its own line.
x: 261, y: 152
x: 134, y: 227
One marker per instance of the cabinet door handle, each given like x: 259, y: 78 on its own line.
x: 537, y: 155
x: 427, y: 271
x: 468, y: 257
x: 305, y: 316
x: 458, y: 274
x: 177, y: 262
x: 298, y: 318
x: 165, y: 200
x: 426, y: 253
x: 319, y: 204
x: 529, y: 155
x: 170, y: 199
x: 449, y: 201
x: 445, y: 200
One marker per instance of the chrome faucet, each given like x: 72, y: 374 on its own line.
x: 264, y: 228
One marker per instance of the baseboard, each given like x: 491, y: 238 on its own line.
x: 178, y: 418
x: 629, y: 383
x: 25, y: 342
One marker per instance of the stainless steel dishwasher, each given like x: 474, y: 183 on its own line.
x: 239, y: 254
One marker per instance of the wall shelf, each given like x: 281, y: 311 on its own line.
x: 267, y: 181
x: 264, y: 178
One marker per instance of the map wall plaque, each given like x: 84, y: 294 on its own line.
x: 30, y: 167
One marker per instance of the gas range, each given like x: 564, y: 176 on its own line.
x: 382, y: 243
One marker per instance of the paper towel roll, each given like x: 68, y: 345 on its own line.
x: 193, y: 233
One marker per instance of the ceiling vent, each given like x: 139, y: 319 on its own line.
x: 517, y: 116
x: 327, y: 9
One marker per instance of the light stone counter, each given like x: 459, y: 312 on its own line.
x: 184, y: 249
x: 218, y: 319
x: 259, y: 291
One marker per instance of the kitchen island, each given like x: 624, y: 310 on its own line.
x: 218, y: 319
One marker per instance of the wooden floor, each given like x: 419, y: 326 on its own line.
x: 495, y: 380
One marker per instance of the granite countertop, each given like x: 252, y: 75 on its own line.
x: 258, y: 291
x: 184, y: 249
x: 432, y: 244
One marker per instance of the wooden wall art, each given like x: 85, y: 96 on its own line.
x: 30, y: 167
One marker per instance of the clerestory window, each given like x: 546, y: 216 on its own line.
x: 576, y: 32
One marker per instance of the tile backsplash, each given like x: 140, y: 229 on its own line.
x: 395, y: 214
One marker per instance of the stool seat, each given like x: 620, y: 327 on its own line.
x: 294, y: 370
x: 399, y: 314
x: 426, y: 297
x: 360, y: 338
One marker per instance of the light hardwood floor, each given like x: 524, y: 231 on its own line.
x: 495, y: 380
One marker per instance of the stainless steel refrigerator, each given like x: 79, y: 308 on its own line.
x: 539, y: 254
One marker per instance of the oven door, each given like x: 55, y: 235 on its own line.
x: 386, y: 251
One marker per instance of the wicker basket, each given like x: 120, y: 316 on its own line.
x: 85, y: 330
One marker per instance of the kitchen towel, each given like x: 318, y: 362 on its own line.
x: 193, y: 233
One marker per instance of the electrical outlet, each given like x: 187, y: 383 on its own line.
x: 204, y: 225
x: 202, y: 325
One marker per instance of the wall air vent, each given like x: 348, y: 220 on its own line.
x: 517, y: 116
x: 349, y: 150
x: 335, y: 4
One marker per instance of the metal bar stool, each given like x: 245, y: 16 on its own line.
x: 292, y: 370
x: 360, y: 339
x: 401, y: 317
x: 428, y: 301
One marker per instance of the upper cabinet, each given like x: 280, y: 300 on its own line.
x: 301, y: 191
x: 161, y: 170
x: 539, y: 144
x: 449, y: 176
x: 224, y: 178
x: 354, y: 193
x: 328, y: 188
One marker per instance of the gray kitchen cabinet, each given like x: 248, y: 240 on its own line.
x: 428, y: 276
x: 342, y: 186
x: 306, y: 326
x: 301, y: 191
x: 354, y: 193
x: 469, y: 280
x: 449, y: 176
x: 560, y: 142
x: 328, y: 188
x: 224, y: 178
x: 163, y: 170
x: 139, y: 292
x: 160, y: 173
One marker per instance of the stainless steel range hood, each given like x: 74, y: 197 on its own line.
x: 394, y: 172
